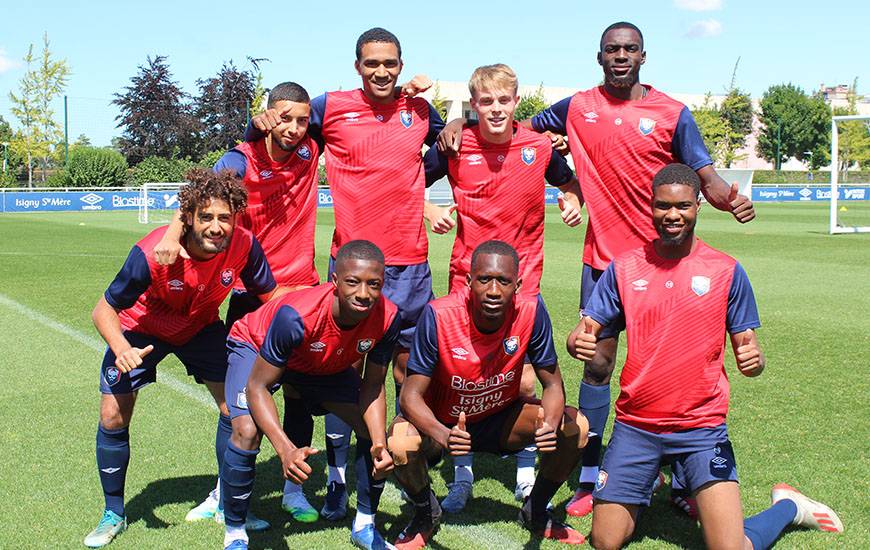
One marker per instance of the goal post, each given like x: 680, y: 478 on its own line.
x: 839, y: 222
x: 157, y: 201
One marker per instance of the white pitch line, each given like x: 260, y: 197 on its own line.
x: 172, y: 382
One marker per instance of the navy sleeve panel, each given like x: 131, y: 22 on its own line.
x: 232, y: 160
x: 558, y: 172
x: 435, y: 164
x: 436, y: 124
x: 742, y: 310
x: 688, y: 145
x: 541, y: 350
x: 133, y: 279
x: 554, y: 118
x: 424, y: 348
x: 605, y: 305
x: 315, y: 120
x: 252, y: 133
x: 257, y: 275
x: 285, y: 334
x: 383, y: 350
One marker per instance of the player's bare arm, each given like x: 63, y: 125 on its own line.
x: 108, y: 324
x: 747, y: 353
x: 169, y: 248
x: 416, y: 86
x: 571, y: 203
x: 725, y: 197
x: 439, y: 217
x: 582, y: 342
x: 552, y: 407
x: 373, y: 404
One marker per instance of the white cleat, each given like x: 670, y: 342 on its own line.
x: 810, y: 513
x: 205, y: 509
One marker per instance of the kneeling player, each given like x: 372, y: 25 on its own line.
x: 462, y: 393
x: 678, y: 297
x: 309, y: 341
x: 150, y: 311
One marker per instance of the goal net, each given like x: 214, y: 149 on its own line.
x: 850, y: 192
x: 158, y: 201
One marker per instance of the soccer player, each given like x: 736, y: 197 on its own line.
x: 498, y: 179
x: 279, y: 172
x: 150, y: 311
x: 677, y: 297
x: 462, y: 393
x: 373, y: 139
x: 309, y: 340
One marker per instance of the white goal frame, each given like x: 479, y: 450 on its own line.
x: 144, y: 207
x: 835, y: 176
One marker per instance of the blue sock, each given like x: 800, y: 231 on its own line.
x: 237, y: 483
x: 221, y: 437
x: 368, y: 490
x: 595, y: 405
x: 113, y: 456
x: 337, y: 441
x: 764, y: 528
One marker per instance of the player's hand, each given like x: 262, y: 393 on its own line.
x: 294, y: 465
x: 168, y: 250
x: 582, y: 341
x: 741, y: 206
x: 459, y: 441
x: 560, y: 144
x: 750, y: 361
x: 417, y: 85
x: 451, y: 137
x: 545, y: 435
x: 440, y: 221
x: 383, y: 462
x: 570, y: 207
x: 132, y: 358
x: 267, y: 120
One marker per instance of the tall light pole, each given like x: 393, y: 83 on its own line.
x: 5, y: 145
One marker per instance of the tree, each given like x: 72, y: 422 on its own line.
x: 439, y: 102
x: 156, y: 116
x: 530, y: 105
x: 800, y: 122
x: 222, y: 107
x: 82, y: 140
x: 258, y: 103
x: 853, y: 136
x: 714, y: 129
x: 736, y: 110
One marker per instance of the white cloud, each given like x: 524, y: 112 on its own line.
x: 7, y: 64
x: 704, y: 29
x: 698, y: 5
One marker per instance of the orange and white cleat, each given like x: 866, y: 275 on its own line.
x: 810, y: 513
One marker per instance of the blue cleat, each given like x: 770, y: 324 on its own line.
x: 237, y: 544
x: 111, y: 525
x: 369, y: 538
x: 252, y: 522
x: 457, y: 496
x: 335, y: 507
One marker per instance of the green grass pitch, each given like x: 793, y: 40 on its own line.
x: 804, y: 421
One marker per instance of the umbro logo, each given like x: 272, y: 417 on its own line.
x: 91, y: 199
x: 475, y: 159
x: 351, y: 117
x: 317, y: 346
x: 459, y: 353
x: 244, y: 496
x: 639, y: 284
x: 109, y: 470
x: 176, y: 285
x: 591, y: 116
x: 265, y: 174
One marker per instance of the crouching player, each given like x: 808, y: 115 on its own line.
x: 308, y: 341
x: 150, y: 311
x: 678, y: 297
x: 462, y: 393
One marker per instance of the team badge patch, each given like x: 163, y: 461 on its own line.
x: 601, y: 481
x: 528, y: 155
x: 365, y: 345
x: 227, y: 277
x: 405, y: 117
x: 304, y: 152
x: 646, y: 126
x: 700, y: 285
x: 112, y: 376
x: 511, y: 345
x: 242, y: 399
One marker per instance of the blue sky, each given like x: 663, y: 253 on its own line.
x: 691, y: 45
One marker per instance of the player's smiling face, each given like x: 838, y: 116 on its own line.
x: 621, y: 56
x: 358, y: 285
x: 675, y: 212
x: 379, y: 66
x: 495, y: 110
x: 211, y: 228
x: 294, y: 124
x: 494, y: 281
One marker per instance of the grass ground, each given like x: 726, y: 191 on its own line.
x: 805, y: 421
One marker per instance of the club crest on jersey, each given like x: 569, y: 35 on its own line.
x: 304, y: 152
x: 528, y: 155
x: 112, y: 376
x: 700, y: 285
x: 511, y: 345
x: 646, y: 126
x: 601, y: 481
x: 365, y: 345
x: 227, y: 276
x: 405, y: 117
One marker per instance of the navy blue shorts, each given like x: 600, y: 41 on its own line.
x: 204, y: 356
x: 486, y: 433
x: 588, y: 279
x: 241, y: 303
x: 634, y: 456
x: 410, y: 288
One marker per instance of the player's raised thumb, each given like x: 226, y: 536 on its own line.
x: 561, y: 200
x: 146, y: 350
x: 461, y: 423
x: 183, y: 253
x: 539, y: 422
x: 452, y: 209
x: 747, y: 339
x: 587, y: 326
x: 733, y: 194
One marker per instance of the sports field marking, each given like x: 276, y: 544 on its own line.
x: 172, y: 382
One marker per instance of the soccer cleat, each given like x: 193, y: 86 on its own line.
x: 457, y: 496
x: 523, y: 490
x: 205, y: 509
x: 298, y: 507
x: 580, y: 504
x: 659, y: 482
x: 335, y: 506
x: 420, y: 530
x: 111, y: 525
x: 370, y: 539
x: 687, y: 504
x: 237, y: 544
x: 810, y: 513
x: 252, y: 522
x: 547, y: 527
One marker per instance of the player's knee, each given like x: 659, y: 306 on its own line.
x: 404, y: 442
x: 245, y: 436
x: 575, y: 428
x: 602, y: 540
x: 116, y: 411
